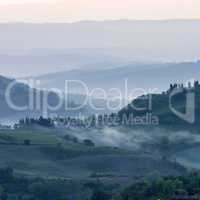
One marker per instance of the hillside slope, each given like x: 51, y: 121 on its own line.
x: 22, y: 95
x: 45, y: 157
x: 179, y: 106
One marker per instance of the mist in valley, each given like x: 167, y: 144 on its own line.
x: 181, y: 146
x: 135, y: 139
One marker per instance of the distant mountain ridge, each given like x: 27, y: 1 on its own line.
x: 144, y: 76
x: 102, y: 35
x: 46, y: 47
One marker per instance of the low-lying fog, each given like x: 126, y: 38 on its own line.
x: 134, y: 139
x: 182, y: 146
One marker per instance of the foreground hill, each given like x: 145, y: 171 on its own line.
x: 177, y: 107
x: 50, y: 155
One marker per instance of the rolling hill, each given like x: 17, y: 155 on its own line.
x: 179, y: 106
x: 74, y: 160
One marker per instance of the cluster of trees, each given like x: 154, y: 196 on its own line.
x: 21, y: 188
x: 14, y: 187
x: 195, y: 86
x: 160, y: 188
x: 71, y: 122
x: 29, y: 122
x: 89, y: 122
x: 74, y: 139
x: 88, y: 142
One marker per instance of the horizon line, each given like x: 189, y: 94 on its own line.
x: 103, y: 21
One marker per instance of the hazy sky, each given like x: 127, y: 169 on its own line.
x: 76, y: 10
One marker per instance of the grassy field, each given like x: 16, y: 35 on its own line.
x: 46, y: 154
x: 53, y: 156
x: 36, y: 136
